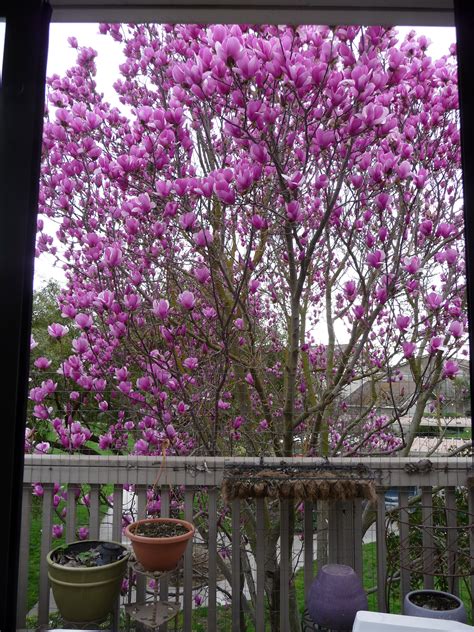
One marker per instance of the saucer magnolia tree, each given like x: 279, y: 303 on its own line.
x: 260, y: 185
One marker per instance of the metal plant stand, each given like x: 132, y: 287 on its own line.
x: 153, y: 613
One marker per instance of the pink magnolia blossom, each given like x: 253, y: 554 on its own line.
x: 38, y: 490
x: 456, y: 328
x: 224, y: 193
x: 444, y: 230
x: 57, y: 330
x: 238, y: 421
x: 259, y: 153
x: 382, y: 201
x: 408, y: 349
x: 80, y: 345
x: 113, y: 256
x: 451, y: 256
x: 83, y: 533
x: 83, y: 321
x: 188, y: 220
x: 161, y: 308
x: 374, y: 114
x: 450, y: 369
x: 254, y: 285
x: 411, y: 264
x: 144, y: 383
x: 350, y: 290
x: 293, y: 211
x: 182, y: 407
x: 404, y: 170
x: 57, y: 531
x: 435, y: 344
x: 249, y: 379
x: 132, y: 301
x: 170, y: 431
x: 258, y: 222
x: 426, y: 227
x: 42, y: 363
x: 105, y: 441
x: 43, y: 447
x: 203, y: 238
x: 375, y: 259
x: 403, y: 322
x: 230, y: 50
x: 191, y: 363
x: 186, y: 300
x: 202, y: 274
x: 433, y: 301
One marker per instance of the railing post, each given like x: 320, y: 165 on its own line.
x: 94, y: 512
x: 188, y: 564
x: 470, y: 491
x: 357, y: 537
x: 284, y: 565
x: 25, y: 557
x: 452, y: 540
x: 308, y: 546
x: 427, y: 536
x: 46, y: 526
x: 236, y: 605
x: 212, y: 550
x: 260, y: 562
x: 71, y: 506
x: 164, y: 513
x: 381, y: 552
x: 405, y: 563
x: 141, y: 513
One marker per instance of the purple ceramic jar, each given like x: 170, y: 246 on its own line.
x: 335, y: 597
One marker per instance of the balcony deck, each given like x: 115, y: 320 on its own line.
x: 239, y: 580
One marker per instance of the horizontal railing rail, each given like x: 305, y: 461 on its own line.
x: 240, y: 541
x: 142, y: 470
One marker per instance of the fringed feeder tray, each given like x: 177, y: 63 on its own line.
x: 301, y: 482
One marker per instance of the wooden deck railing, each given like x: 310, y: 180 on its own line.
x: 199, y: 476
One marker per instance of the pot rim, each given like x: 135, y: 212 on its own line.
x: 432, y: 591
x: 88, y: 569
x: 160, y: 540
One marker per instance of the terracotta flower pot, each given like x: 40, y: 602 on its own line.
x: 159, y: 553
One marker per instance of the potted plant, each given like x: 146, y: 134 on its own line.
x: 159, y: 543
x: 86, y: 577
x: 434, y: 604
